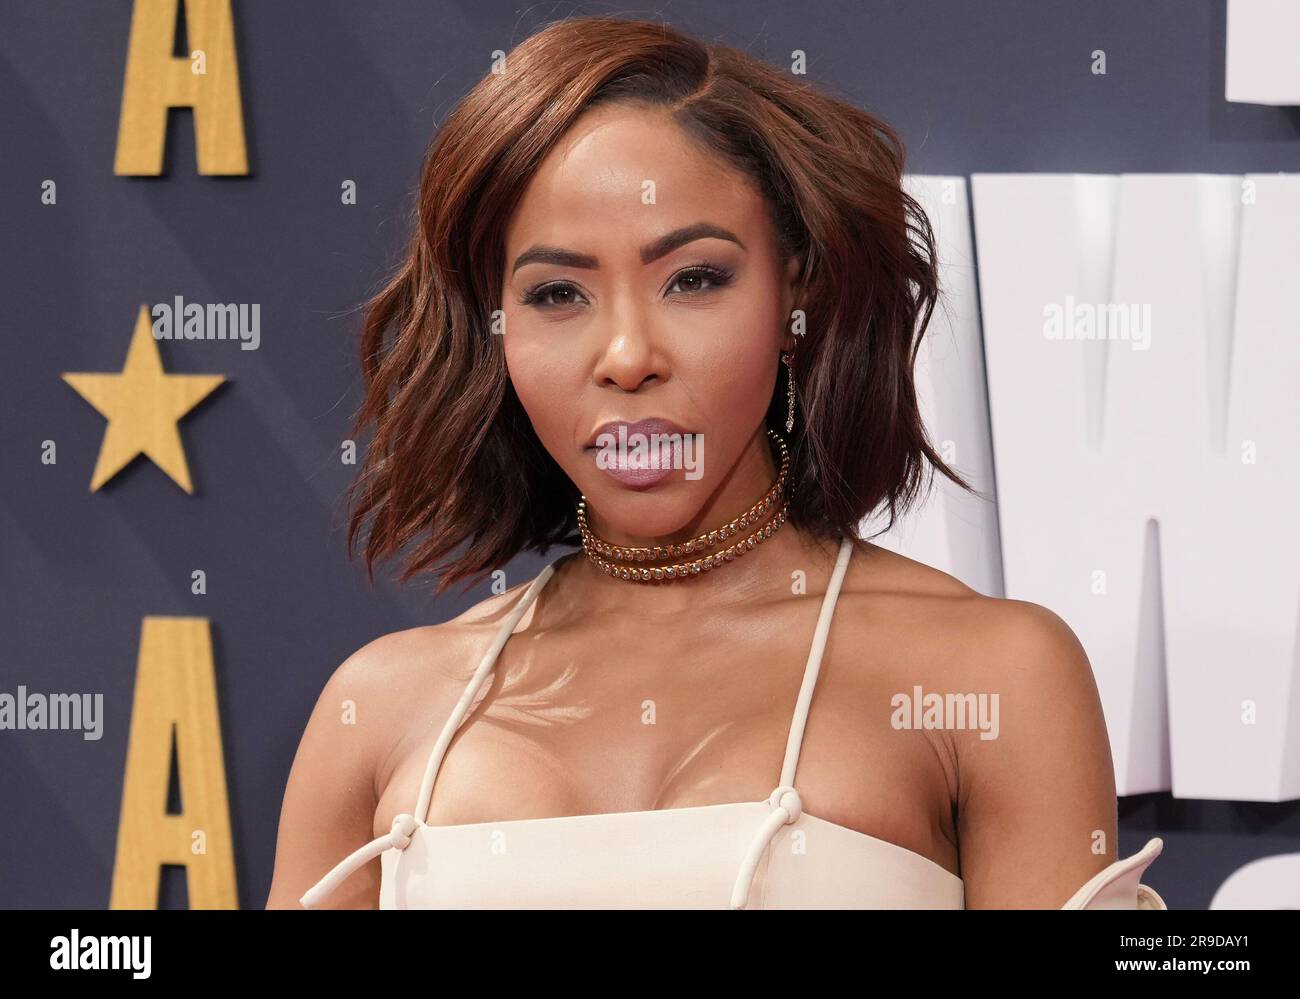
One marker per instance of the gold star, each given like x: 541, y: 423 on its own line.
x: 143, y: 404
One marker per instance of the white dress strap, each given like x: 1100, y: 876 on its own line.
x: 799, y: 722
x: 784, y: 799
x: 470, y: 693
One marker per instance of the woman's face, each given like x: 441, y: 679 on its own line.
x: 642, y: 282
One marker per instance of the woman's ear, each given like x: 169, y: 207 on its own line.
x: 790, y: 299
x: 793, y: 268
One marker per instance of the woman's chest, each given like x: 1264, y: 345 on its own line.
x: 639, y: 726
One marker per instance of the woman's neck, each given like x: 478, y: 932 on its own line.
x: 763, y: 573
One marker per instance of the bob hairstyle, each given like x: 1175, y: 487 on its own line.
x: 454, y: 459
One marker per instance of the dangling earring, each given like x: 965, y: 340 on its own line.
x: 789, y: 391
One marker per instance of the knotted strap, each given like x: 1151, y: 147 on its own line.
x: 397, y: 838
x: 786, y: 808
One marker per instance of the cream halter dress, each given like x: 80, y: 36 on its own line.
x: 769, y: 854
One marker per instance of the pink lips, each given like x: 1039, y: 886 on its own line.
x: 620, y: 460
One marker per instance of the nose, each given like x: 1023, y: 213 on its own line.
x: 629, y: 356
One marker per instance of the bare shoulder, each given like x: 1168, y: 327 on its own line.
x: 398, y: 673
x: 969, y: 635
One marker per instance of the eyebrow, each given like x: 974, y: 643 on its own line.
x: 651, y: 252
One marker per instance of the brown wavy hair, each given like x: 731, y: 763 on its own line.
x: 454, y: 460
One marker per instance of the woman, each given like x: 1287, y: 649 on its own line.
x: 664, y: 300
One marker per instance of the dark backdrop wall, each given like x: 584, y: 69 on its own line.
x: 353, y: 91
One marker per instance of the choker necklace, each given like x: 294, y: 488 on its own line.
x: 606, y: 556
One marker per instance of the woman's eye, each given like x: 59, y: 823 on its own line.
x: 556, y: 295
x: 697, y: 279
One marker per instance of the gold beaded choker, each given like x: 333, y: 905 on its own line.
x: 606, y: 556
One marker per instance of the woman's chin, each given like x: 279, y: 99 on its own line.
x: 629, y: 515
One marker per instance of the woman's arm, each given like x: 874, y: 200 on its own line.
x: 1036, y: 805
x: 330, y: 799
